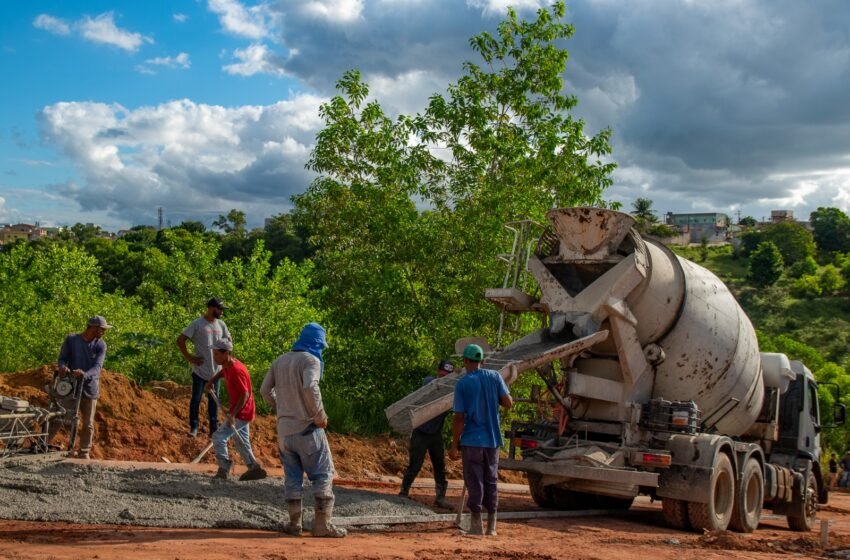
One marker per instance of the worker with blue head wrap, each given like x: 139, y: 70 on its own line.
x: 292, y: 387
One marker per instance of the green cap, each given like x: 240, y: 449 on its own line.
x: 473, y: 352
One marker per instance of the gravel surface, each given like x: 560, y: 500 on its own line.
x: 88, y: 493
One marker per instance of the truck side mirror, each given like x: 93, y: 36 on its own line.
x: 840, y: 414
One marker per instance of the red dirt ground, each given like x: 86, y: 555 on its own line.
x: 147, y: 424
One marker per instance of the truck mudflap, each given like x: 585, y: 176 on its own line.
x: 560, y: 469
x: 689, y: 484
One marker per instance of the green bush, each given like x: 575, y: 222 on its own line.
x: 807, y: 287
x: 830, y: 280
x: 765, y: 266
x: 803, y: 267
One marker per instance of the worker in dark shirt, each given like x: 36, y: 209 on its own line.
x: 428, y: 438
x: 82, y: 354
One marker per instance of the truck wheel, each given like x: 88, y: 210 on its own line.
x: 541, y: 494
x: 748, y: 499
x: 676, y: 513
x: 804, y: 508
x: 716, y: 514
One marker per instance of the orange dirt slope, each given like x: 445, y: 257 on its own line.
x: 149, y: 423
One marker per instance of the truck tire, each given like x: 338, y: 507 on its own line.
x: 716, y: 514
x: 804, y: 508
x: 676, y: 513
x: 749, y: 498
x: 541, y: 495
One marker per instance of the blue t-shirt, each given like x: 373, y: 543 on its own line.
x: 477, y: 396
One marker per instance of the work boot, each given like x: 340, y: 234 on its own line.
x: 293, y: 526
x: 441, y: 501
x: 475, y: 524
x: 254, y: 472
x: 223, y: 472
x: 322, y: 525
x: 193, y: 432
x: 83, y: 455
x: 491, y: 523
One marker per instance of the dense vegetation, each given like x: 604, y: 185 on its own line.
x: 391, y: 247
x: 394, y: 243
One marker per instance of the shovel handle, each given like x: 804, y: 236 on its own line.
x: 460, y: 508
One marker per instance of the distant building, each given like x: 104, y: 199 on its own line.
x: 777, y: 216
x: 26, y: 232
x: 711, y: 226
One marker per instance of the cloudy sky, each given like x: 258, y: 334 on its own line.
x: 112, y: 109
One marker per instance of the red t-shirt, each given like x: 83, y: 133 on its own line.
x: 238, y: 383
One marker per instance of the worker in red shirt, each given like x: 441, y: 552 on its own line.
x: 239, y: 416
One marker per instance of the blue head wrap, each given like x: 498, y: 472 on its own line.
x: 312, y: 340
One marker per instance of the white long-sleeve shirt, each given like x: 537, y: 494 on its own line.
x: 292, y: 387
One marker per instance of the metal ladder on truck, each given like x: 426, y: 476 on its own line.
x: 529, y: 352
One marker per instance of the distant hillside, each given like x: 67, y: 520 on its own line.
x: 822, y: 322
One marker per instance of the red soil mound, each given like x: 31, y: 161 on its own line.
x: 138, y: 423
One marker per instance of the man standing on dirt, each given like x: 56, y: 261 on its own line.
x: 292, y: 387
x: 238, y: 419
x: 833, y: 471
x: 204, y: 331
x: 845, y: 471
x: 428, y: 438
x: 83, y: 355
x: 476, y: 428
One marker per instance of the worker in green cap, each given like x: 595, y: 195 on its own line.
x: 476, y: 429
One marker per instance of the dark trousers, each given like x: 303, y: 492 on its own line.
x: 195, y: 404
x: 421, y: 443
x: 480, y: 473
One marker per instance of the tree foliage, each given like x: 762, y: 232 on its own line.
x: 831, y: 229
x: 747, y: 222
x: 643, y: 212
x: 407, y: 214
x: 765, y: 266
x: 792, y: 239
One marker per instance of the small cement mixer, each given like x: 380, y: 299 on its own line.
x: 651, y: 383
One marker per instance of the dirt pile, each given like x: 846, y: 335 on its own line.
x: 149, y: 423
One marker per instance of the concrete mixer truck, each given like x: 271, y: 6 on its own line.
x: 650, y: 382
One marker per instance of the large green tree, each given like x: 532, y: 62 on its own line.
x: 407, y: 215
x: 831, y: 228
x: 793, y: 240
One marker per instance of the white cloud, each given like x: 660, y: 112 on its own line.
x: 500, y: 7
x: 255, y: 22
x: 188, y: 157
x: 180, y: 18
x: 406, y: 93
x: 255, y: 59
x: 52, y: 25
x: 334, y: 11
x: 180, y: 61
x: 102, y: 29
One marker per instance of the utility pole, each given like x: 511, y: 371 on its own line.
x: 159, y: 212
x: 739, y: 216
